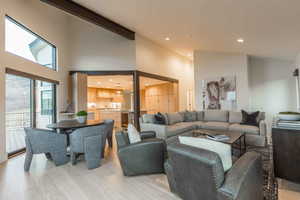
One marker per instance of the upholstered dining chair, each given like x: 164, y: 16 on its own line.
x: 110, y: 127
x: 44, y: 141
x: 88, y: 141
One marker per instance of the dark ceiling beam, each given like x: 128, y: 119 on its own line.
x: 91, y: 16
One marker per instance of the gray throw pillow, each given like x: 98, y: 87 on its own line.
x: 148, y: 118
x: 200, y: 115
x: 174, y: 118
x: 190, y: 116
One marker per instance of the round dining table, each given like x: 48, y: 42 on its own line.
x: 67, y: 125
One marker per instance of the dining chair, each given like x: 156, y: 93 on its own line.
x: 88, y: 141
x: 110, y: 127
x: 45, y: 141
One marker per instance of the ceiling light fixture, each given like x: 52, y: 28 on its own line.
x: 167, y: 38
x: 240, y: 40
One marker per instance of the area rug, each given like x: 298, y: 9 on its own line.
x: 270, y: 182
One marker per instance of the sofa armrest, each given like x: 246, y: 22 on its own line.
x: 263, y: 128
x: 159, y: 129
x: 244, y: 181
x: 143, y: 157
x: 147, y: 135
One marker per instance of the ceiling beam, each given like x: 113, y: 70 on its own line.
x: 91, y: 16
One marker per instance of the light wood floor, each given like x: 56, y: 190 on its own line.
x: 47, y: 182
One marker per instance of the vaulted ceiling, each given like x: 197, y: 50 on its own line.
x: 269, y: 27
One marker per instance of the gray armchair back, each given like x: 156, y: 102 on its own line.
x: 44, y: 141
x: 145, y: 157
x: 88, y: 141
x: 195, y: 173
x: 110, y: 127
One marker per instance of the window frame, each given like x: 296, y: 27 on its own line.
x: 54, y: 48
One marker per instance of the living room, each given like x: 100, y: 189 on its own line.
x: 218, y: 58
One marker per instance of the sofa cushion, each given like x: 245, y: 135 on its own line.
x: 216, y: 115
x: 174, y: 118
x: 190, y: 116
x: 223, y: 150
x: 177, y: 129
x: 216, y: 125
x: 244, y: 128
x: 194, y: 125
x: 235, y: 117
x: 133, y: 134
x: 148, y: 118
x: 200, y: 115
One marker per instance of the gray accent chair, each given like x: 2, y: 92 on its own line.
x: 44, y: 141
x: 110, y: 127
x: 88, y: 141
x: 145, y: 157
x: 195, y: 173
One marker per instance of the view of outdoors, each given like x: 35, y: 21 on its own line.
x: 19, y: 110
x: 22, y: 42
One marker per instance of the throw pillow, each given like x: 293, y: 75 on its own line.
x: 223, y: 150
x: 148, y: 118
x: 174, y: 118
x: 133, y: 134
x: 250, y: 119
x: 190, y: 116
x: 160, y: 119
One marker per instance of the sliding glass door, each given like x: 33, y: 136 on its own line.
x: 29, y: 103
x: 18, y: 111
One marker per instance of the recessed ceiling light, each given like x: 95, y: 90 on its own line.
x: 240, y: 40
x: 167, y: 38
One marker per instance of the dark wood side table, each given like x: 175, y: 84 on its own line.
x: 286, y: 153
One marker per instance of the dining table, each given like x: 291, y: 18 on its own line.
x: 66, y: 126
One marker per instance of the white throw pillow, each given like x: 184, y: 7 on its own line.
x: 133, y: 134
x: 223, y: 150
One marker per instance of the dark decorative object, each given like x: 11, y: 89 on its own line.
x: 159, y: 118
x: 250, y: 119
x: 286, y: 145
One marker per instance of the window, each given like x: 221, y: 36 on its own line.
x: 20, y: 41
x: 46, y: 102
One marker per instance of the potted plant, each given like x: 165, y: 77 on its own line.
x: 82, y: 116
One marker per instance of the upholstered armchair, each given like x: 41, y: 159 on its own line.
x: 195, y: 174
x: 110, y: 127
x: 44, y: 141
x: 145, y: 157
x: 88, y: 141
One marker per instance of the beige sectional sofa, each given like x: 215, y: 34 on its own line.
x: 184, y: 122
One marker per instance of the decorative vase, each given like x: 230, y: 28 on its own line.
x: 81, y: 119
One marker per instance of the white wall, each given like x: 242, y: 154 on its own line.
x: 49, y: 23
x: 155, y: 59
x: 215, y: 64
x: 272, y: 85
x: 94, y: 48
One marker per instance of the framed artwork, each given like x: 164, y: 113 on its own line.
x: 219, y: 93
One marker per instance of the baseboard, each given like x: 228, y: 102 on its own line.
x: 3, y: 158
